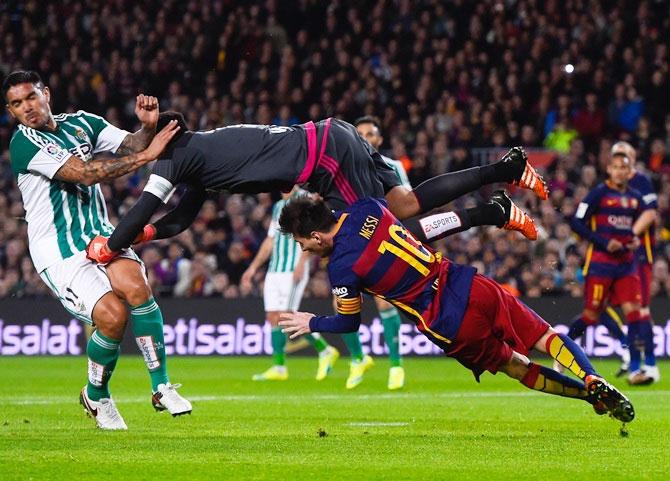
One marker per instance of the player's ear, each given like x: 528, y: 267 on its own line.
x: 47, y: 94
x: 316, y: 236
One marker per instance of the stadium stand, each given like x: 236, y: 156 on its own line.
x: 453, y: 85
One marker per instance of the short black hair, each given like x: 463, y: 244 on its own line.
x: 18, y: 77
x: 304, y: 214
x: 368, y: 119
x: 167, y: 116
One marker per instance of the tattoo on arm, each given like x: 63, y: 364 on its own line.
x: 136, y: 142
x: 98, y: 170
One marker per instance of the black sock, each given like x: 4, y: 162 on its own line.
x: 442, y: 189
x: 498, y: 172
x: 577, y: 328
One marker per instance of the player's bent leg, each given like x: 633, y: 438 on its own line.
x: 442, y: 189
x: 127, y: 278
x: 540, y: 378
x: 102, y: 349
x: 567, y: 352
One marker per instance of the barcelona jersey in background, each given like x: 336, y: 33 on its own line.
x: 602, y: 215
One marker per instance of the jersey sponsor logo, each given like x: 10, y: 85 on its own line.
x: 369, y: 227
x: 340, y: 291
x: 581, y: 210
x: 620, y: 221
x: 55, y: 152
x: 83, y: 151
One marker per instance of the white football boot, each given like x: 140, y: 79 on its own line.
x: 167, y: 398
x: 652, y: 372
x: 105, y: 413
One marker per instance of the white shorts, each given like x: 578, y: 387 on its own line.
x: 80, y: 283
x: 281, y: 294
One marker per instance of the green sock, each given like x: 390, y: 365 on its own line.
x: 103, y: 352
x: 278, y: 342
x: 317, y: 342
x: 353, y: 343
x: 147, y: 322
x: 391, y: 321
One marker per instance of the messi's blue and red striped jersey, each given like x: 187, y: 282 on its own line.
x: 606, y: 214
x: 641, y: 183
x: 374, y: 253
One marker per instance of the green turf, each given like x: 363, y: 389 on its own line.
x: 442, y: 426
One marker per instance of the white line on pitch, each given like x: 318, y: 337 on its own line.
x: 278, y: 398
x: 376, y: 424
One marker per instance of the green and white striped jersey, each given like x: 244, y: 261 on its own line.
x: 396, y: 165
x: 285, y: 251
x: 62, y: 217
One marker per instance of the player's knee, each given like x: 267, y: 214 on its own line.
x: 110, y: 316
x: 135, y: 291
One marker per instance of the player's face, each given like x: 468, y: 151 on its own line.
x: 370, y: 133
x: 29, y: 104
x: 618, y: 170
x: 314, y: 244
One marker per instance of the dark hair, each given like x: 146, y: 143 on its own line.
x: 167, y: 116
x: 304, y: 214
x: 21, y: 77
x: 368, y: 119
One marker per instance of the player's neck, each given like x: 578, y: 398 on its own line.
x: 613, y: 186
x: 51, y: 124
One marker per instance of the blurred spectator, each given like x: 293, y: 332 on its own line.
x: 454, y: 83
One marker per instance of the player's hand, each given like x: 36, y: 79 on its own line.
x: 147, y: 234
x: 633, y: 244
x: 247, y: 277
x: 146, y: 109
x: 614, y: 245
x: 295, y: 324
x: 98, y: 251
x: 161, y: 139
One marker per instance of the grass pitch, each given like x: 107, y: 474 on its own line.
x: 443, y: 425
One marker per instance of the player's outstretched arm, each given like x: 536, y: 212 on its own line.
x: 88, y: 173
x: 298, y: 323
x: 134, y: 221
x: 183, y: 215
x: 261, y: 257
x: 146, y: 109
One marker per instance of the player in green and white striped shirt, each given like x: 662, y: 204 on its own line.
x: 368, y: 128
x: 285, y: 281
x: 52, y: 160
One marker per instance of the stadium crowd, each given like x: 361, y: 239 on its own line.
x: 450, y: 81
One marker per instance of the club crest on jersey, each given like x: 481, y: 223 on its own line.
x: 369, y: 227
x: 81, y: 135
